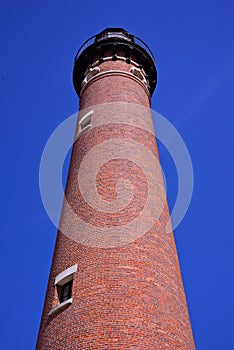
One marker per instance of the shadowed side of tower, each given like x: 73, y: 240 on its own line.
x: 115, y: 279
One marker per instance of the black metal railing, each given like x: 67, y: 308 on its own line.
x: 124, y: 36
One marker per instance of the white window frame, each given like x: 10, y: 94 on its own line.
x: 62, y: 278
x: 85, y: 119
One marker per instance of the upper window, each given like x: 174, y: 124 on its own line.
x: 85, y: 121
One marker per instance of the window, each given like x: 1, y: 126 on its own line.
x: 63, y: 289
x: 138, y: 73
x: 85, y: 122
x: 89, y: 74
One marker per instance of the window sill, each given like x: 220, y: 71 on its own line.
x: 60, y: 306
x: 83, y: 130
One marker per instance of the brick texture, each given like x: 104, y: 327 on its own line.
x: 128, y: 296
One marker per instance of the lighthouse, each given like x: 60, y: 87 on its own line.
x: 115, y: 280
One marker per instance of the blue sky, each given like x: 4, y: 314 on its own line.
x: 193, y: 43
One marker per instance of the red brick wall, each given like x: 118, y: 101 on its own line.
x: 114, y: 88
x: 125, y: 296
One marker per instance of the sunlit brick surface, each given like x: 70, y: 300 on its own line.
x: 126, y: 296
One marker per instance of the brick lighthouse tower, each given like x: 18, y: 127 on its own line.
x: 115, y: 280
